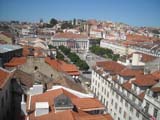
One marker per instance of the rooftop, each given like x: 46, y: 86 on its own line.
x: 81, y: 101
x: 70, y: 35
x: 110, y: 66
x: 7, y: 47
x: 14, y: 62
x: 71, y: 69
x: 4, y: 76
x: 147, y: 80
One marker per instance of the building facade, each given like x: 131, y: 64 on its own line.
x: 122, y: 93
x: 74, y: 41
x: 5, y: 95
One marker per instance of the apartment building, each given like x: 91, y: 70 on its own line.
x: 116, y: 46
x: 123, y: 90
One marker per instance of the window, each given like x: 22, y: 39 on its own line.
x: 120, y: 109
x: 105, y: 91
x: 146, y: 107
x: 130, y: 118
x: 112, y: 102
x: 128, y: 94
x: 117, y: 96
x: 102, y: 89
x: 133, y: 98
x: 107, y: 94
x: 131, y: 108
x: 115, y: 105
x: 155, y: 112
x: 126, y: 104
x: 137, y: 114
x: 107, y: 104
x: 124, y: 115
x: 121, y: 100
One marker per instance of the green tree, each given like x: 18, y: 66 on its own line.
x: 65, y: 50
x: 53, y: 22
x: 66, y: 25
x: 82, y: 65
x: 59, y: 56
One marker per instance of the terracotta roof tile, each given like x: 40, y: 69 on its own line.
x: 70, y: 35
x: 130, y: 72
x: 33, y: 51
x: 14, y: 62
x: 110, y: 66
x: 62, y: 66
x: 87, y: 103
x: 145, y: 80
x: 156, y: 74
x: 4, y: 75
x: 139, y: 38
x: 155, y: 89
x: 67, y: 114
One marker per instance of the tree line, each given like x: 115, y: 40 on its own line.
x: 74, y: 58
x: 104, y: 52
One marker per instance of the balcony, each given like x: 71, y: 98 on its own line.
x: 132, y: 103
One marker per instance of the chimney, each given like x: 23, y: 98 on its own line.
x: 42, y: 108
x: 136, y: 58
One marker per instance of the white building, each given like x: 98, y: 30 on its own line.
x: 116, y: 47
x: 152, y: 102
x: 122, y: 90
x: 77, y: 42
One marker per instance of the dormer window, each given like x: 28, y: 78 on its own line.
x: 62, y: 102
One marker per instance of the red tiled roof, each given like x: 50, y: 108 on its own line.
x: 156, y: 74
x: 49, y: 97
x: 16, y: 61
x: 62, y: 66
x: 4, y: 75
x: 111, y: 66
x: 145, y: 80
x: 87, y: 103
x: 70, y: 35
x: 36, y: 51
x: 138, y: 38
x: 130, y: 72
x: 155, y: 89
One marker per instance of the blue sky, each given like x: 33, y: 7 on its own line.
x: 133, y: 12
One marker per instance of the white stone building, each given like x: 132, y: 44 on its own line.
x: 116, y: 47
x: 122, y: 90
x: 77, y: 42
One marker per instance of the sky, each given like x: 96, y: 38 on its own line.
x: 132, y: 12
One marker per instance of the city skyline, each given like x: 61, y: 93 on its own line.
x: 136, y: 13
